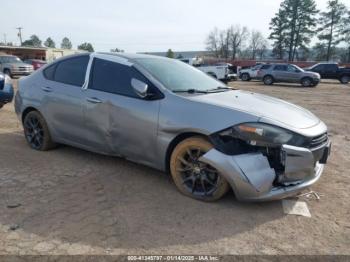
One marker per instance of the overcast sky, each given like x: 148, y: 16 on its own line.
x: 134, y: 25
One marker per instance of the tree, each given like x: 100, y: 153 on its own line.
x: 258, y: 44
x: 170, y: 53
x: 330, y: 26
x: 86, y: 46
x: 49, y: 43
x: 237, y: 37
x: 117, y: 50
x: 32, y: 41
x: 278, y: 26
x: 346, y: 34
x: 212, y: 42
x: 295, y: 21
x: 66, y: 43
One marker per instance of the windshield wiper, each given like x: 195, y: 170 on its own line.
x: 219, y: 89
x: 191, y: 91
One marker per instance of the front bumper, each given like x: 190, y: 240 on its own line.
x: 252, y: 178
x: 21, y: 72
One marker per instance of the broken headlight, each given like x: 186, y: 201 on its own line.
x: 260, y: 134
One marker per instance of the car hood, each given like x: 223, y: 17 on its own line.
x: 267, y: 108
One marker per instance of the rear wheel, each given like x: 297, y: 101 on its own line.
x: 268, y: 80
x: 345, y: 79
x: 36, y: 132
x: 245, y: 77
x: 192, y: 177
x: 306, y: 82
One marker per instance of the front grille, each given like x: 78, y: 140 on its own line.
x: 318, y: 141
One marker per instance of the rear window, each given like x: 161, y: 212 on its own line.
x: 72, y: 71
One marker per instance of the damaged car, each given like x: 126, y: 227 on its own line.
x: 168, y: 115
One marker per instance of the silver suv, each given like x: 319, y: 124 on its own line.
x: 13, y: 66
x: 287, y: 73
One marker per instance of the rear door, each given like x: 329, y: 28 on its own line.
x: 62, y: 103
x: 117, y: 120
x: 280, y: 73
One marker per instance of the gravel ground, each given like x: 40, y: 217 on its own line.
x: 75, y: 202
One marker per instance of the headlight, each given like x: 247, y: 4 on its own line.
x: 259, y: 134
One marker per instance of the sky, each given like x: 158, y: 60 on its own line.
x: 134, y: 25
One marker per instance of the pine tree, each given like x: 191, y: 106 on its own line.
x: 49, y: 43
x: 331, y: 26
x: 66, y: 43
x: 278, y: 26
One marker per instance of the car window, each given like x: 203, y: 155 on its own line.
x: 72, y: 71
x: 264, y: 67
x: 49, y: 72
x: 280, y: 68
x: 319, y: 68
x: 112, y: 77
x: 331, y: 67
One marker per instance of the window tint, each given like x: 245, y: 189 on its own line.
x: 331, y: 67
x: 319, y: 68
x: 264, y: 67
x: 72, y: 71
x: 49, y: 72
x: 114, y: 78
x: 280, y: 68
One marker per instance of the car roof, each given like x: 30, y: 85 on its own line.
x: 131, y: 56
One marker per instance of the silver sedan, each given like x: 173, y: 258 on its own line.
x: 170, y: 116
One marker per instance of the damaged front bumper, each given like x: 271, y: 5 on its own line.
x: 253, y: 179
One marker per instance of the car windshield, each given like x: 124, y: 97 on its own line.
x: 11, y: 59
x: 178, y: 76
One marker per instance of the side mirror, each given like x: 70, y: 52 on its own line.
x: 140, y: 88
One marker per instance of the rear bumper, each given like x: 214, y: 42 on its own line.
x: 252, y: 178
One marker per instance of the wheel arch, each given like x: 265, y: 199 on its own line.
x: 28, y: 110
x: 178, y: 139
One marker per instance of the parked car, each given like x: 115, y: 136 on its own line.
x: 6, y: 90
x: 248, y: 74
x: 287, y: 73
x: 220, y: 72
x: 36, y: 63
x: 171, y: 116
x: 331, y: 71
x: 232, y: 71
x: 13, y: 66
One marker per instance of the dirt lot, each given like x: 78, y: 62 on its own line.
x: 76, y: 202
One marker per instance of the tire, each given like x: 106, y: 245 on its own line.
x: 7, y: 72
x: 1, y: 105
x: 306, y: 82
x: 268, y: 80
x: 36, y: 132
x: 193, y: 178
x: 345, y: 80
x: 245, y: 77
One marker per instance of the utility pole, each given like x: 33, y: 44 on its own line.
x: 20, y: 33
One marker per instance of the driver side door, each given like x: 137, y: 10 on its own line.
x: 117, y: 120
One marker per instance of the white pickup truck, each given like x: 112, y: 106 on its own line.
x: 220, y: 72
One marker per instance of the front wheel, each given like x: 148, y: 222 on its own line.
x: 345, y: 80
x: 36, y: 132
x: 192, y: 177
x: 306, y: 82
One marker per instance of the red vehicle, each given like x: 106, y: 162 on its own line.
x: 36, y: 63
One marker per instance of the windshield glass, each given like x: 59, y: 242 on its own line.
x: 11, y: 59
x: 178, y: 76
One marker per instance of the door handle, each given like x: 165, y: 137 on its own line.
x: 94, y: 100
x: 47, y: 89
